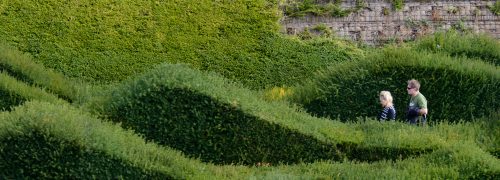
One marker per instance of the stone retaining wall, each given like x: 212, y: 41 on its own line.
x: 415, y: 19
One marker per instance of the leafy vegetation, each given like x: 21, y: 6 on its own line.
x: 215, y: 120
x: 108, y: 41
x: 459, y: 44
x: 22, y: 67
x: 331, y: 8
x: 397, y: 4
x: 67, y: 131
x: 198, y: 113
x: 495, y: 8
x: 349, y: 90
x: 15, y: 93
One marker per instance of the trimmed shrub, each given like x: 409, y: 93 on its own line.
x: 471, y: 162
x: 13, y: 93
x: 21, y: 66
x: 59, y: 141
x: 284, y: 61
x: 41, y: 139
x: 459, y: 44
x: 35, y: 154
x: 462, y: 160
x: 108, y: 41
x: 199, y: 113
x: 9, y: 100
x: 181, y: 108
x: 455, y: 88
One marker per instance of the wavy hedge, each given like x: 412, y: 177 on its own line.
x: 458, y: 44
x: 21, y: 66
x: 14, y: 93
x: 457, y: 161
x: 108, y: 41
x: 207, y: 116
x: 47, y: 140
x: 455, y: 88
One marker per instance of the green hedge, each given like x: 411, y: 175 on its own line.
x: 108, y: 41
x: 459, y: 44
x: 455, y: 88
x: 283, y: 61
x: 9, y: 100
x: 181, y: 108
x: 22, y: 67
x: 45, y: 140
x: 35, y: 154
x: 14, y: 93
x: 58, y: 141
x: 457, y: 161
x: 199, y: 113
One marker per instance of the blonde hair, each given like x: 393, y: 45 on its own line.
x: 413, y: 83
x: 386, y: 95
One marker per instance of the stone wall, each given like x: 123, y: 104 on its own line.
x: 415, y: 19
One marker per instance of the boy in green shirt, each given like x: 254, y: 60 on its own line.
x: 417, y: 107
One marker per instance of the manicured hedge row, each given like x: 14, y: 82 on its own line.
x: 459, y: 44
x: 109, y: 41
x: 168, y: 109
x: 57, y: 141
x: 455, y: 88
x: 200, y: 113
x: 35, y: 154
x: 21, y: 66
x: 13, y: 93
x: 9, y: 100
x: 457, y: 161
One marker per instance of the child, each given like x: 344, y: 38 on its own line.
x: 389, y: 113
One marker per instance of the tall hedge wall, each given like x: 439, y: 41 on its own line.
x: 109, y: 41
x: 455, y: 88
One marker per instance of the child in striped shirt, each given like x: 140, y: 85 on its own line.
x: 388, y: 113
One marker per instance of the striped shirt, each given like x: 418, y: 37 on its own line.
x: 387, y: 113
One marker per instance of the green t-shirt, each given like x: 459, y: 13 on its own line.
x: 418, y: 101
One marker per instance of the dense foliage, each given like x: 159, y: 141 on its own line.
x: 108, y: 41
x: 208, y: 117
x: 14, y: 92
x: 301, y: 8
x: 459, y: 44
x: 167, y: 107
x: 44, y: 140
x: 455, y: 88
x: 38, y: 155
x: 22, y: 67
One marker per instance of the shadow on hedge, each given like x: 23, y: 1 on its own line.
x: 207, y: 117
